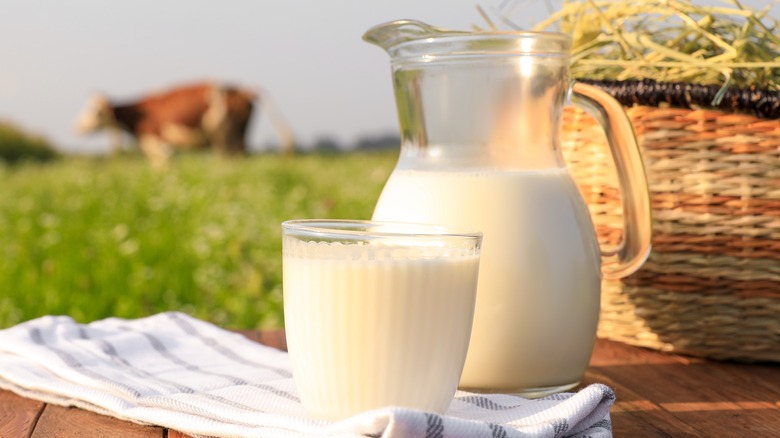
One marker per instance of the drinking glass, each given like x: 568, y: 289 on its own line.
x: 377, y: 314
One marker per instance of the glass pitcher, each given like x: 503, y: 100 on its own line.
x: 480, y: 115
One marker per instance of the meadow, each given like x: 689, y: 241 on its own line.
x: 98, y: 237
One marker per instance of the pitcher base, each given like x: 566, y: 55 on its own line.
x: 525, y: 392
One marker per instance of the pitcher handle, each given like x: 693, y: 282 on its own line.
x: 634, y: 247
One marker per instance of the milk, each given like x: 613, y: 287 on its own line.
x: 539, y: 284
x: 370, y: 326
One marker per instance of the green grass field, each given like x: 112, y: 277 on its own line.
x: 93, y: 238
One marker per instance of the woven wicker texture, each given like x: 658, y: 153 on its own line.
x: 711, y: 286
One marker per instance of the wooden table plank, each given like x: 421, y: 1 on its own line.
x: 690, y: 394
x: 633, y: 415
x: 272, y: 337
x: 18, y: 415
x: 176, y: 434
x: 695, y: 396
x: 60, y: 422
x: 608, y: 352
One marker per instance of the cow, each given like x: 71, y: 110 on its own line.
x: 188, y: 117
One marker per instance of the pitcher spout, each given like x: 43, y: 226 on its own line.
x: 412, y: 39
x: 390, y: 34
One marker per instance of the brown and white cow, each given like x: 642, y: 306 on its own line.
x: 196, y: 116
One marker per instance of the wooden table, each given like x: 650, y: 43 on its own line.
x: 658, y: 395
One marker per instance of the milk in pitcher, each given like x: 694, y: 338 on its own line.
x: 539, y: 281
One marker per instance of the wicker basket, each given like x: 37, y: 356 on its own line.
x: 711, y: 287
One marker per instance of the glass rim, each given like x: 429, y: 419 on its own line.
x: 361, y: 229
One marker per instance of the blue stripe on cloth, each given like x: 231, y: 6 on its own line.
x: 219, y: 348
x: 71, y: 362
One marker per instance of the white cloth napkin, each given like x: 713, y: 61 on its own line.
x: 179, y: 372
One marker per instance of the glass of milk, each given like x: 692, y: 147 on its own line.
x: 377, y: 314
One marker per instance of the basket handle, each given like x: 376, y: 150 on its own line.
x: 634, y: 247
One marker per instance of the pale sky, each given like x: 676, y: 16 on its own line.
x: 308, y: 54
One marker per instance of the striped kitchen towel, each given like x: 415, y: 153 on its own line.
x: 178, y: 372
